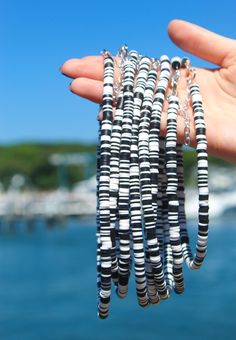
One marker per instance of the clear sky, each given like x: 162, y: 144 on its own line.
x: 38, y: 36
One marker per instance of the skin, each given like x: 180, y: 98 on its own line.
x: 218, y: 86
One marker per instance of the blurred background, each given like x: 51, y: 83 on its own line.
x: 47, y: 178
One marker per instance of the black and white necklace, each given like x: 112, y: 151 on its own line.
x: 140, y: 192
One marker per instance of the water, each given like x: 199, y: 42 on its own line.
x: 48, y: 290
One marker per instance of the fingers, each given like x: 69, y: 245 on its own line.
x: 88, y: 88
x: 89, y: 67
x: 202, y: 43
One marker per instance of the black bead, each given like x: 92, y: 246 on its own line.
x: 176, y: 63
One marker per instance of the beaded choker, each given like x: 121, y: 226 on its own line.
x: 140, y: 192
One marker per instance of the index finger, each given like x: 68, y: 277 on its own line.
x: 88, y: 67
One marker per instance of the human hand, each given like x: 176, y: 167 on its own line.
x: 218, y: 86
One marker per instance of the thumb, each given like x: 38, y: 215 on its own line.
x: 203, y: 43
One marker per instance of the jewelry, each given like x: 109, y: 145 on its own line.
x: 141, y: 199
x: 202, y: 160
x: 123, y: 201
x: 172, y: 179
x: 105, y: 227
x: 135, y: 202
x: 152, y: 250
x: 195, y: 262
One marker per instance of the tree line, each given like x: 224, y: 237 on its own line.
x: 32, y: 161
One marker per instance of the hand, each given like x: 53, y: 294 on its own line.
x: 218, y: 86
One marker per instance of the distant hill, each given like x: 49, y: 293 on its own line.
x: 32, y: 161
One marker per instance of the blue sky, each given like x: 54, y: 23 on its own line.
x: 38, y: 36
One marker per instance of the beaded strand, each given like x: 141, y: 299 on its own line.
x: 135, y: 202
x: 140, y: 179
x: 130, y: 65
x: 153, y: 253
x: 104, y: 188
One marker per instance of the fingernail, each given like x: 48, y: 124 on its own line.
x: 70, y: 86
x: 64, y: 74
x: 60, y: 69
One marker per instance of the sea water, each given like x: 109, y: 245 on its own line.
x: 48, y: 289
